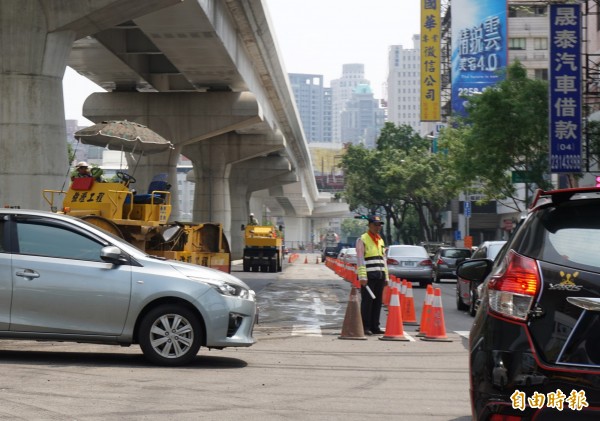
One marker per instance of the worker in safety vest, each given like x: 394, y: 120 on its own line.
x: 372, y: 272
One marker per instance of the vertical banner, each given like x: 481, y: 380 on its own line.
x: 479, y: 48
x: 565, y: 88
x: 430, y: 60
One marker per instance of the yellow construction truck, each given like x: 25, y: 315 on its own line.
x: 263, y: 249
x: 142, y: 220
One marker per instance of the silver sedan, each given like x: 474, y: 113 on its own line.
x: 63, y: 279
x: 411, y: 263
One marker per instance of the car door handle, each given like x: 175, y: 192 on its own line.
x: 28, y: 273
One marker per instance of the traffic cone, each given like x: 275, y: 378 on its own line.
x: 317, y: 260
x: 409, y: 315
x: 426, y: 311
x: 353, y: 327
x: 387, y: 292
x: 393, y: 326
x: 437, y: 328
x: 402, y: 291
x: 306, y: 259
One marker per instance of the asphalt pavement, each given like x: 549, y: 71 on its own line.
x: 294, y: 371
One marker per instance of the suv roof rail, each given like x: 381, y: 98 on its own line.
x: 561, y: 195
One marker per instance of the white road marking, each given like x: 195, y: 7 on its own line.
x: 463, y: 333
x: 306, y: 330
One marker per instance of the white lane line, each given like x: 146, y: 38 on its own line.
x: 318, y: 306
x: 306, y: 330
x: 410, y: 338
x: 463, y: 333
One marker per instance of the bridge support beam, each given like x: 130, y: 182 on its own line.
x: 182, y: 118
x: 213, y: 160
x: 36, y: 42
x: 247, y: 177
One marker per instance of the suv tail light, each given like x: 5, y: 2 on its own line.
x: 440, y: 261
x: 513, y: 289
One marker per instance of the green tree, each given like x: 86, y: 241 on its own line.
x: 506, y: 130
x: 400, y: 175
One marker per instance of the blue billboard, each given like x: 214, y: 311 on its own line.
x: 479, y: 48
x: 565, y: 88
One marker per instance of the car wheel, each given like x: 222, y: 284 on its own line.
x: 170, y: 335
x: 472, y: 308
x: 460, y: 305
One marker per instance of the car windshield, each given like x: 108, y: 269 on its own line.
x: 456, y: 253
x: 407, y: 251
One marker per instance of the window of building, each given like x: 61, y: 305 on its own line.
x: 541, y: 74
x: 540, y: 43
x: 517, y: 43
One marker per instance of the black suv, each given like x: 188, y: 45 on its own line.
x: 535, y: 342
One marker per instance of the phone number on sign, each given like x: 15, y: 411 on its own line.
x: 565, y: 162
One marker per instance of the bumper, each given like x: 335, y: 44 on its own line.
x: 231, y: 323
x: 505, y: 368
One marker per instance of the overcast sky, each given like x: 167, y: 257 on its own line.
x: 315, y: 36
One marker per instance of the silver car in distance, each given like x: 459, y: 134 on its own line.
x: 62, y: 279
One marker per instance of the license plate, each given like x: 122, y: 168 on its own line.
x: 408, y: 263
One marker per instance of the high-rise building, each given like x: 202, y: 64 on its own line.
x: 404, y: 85
x: 361, y: 119
x: 313, y: 105
x: 341, y: 91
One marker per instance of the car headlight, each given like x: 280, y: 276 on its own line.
x: 226, y: 289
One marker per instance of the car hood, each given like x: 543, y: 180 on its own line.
x: 205, y: 274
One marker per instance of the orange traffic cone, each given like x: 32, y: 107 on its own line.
x: 393, y: 326
x: 387, y: 292
x: 437, y: 328
x: 353, y: 327
x: 306, y: 259
x: 409, y: 315
x: 426, y: 311
x: 402, y: 290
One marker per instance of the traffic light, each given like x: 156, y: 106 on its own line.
x: 598, y: 181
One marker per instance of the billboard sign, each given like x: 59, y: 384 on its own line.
x: 565, y: 88
x: 430, y: 60
x: 479, y: 48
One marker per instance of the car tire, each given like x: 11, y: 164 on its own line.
x: 157, y: 339
x: 460, y: 305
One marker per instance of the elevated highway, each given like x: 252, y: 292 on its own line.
x: 205, y: 74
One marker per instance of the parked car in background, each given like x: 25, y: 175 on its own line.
x: 445, y: 261
x: 342, y: 253
x: 535, y: 341
x: 411, y: 263
x: 466, y: 291
x: 350, y: 256
x: 63, y: 279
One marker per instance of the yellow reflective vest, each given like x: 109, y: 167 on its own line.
x: 374, y: 257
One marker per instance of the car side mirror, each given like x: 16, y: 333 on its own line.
x: 112, y: 254
x: 475, y: 270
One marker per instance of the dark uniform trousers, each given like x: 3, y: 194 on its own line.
x: 370, y: 309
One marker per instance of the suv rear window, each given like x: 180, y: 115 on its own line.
x: 568, y: 234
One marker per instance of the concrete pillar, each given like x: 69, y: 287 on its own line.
x: 212, y: 160
x: 245, y: 178
x: 35, y: 42
x: 32, y: 121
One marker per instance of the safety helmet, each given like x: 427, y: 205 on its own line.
x: 82, y: 164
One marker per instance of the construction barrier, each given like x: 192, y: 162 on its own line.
x: 436, y: 331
